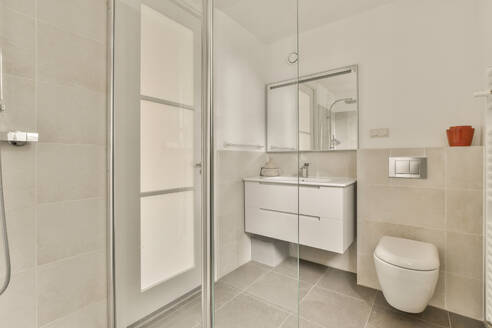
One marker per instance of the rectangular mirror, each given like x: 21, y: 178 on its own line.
x: 328, y: 112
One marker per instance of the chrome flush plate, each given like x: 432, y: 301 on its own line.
x: 408, y: 167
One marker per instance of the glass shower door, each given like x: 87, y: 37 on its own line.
x: 157, y: 159
x: 256, y: 217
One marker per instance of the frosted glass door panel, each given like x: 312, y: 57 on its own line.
x: 157, y: 152
x: 166, y: 147
x: 167, y: 235
x: 167, y: 69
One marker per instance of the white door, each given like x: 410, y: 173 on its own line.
x: 157, y: 154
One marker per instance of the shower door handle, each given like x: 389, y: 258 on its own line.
x: 2, y: 95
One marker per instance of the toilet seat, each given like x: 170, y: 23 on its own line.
x: 408, y: 254
x: 407, y: 272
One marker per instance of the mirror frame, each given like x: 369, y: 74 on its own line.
x: 306, y: 78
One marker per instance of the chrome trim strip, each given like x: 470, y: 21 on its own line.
x: 313, y: 77
x: 157, y: 314
x: 166, y: 102
x: 228, y: 144
x: 111, y: 290
x: 165, y: 191
x: 2, y: 96
x: 207, y: 166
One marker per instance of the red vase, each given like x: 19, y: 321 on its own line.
x: 460, y: 135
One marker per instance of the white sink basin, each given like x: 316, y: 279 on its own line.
x: 316, y: 181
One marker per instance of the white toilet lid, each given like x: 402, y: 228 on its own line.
x: 408, y: 254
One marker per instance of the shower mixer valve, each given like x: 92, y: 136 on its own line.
x: 19, y: 138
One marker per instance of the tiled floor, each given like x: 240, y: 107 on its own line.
x: 258, y: 296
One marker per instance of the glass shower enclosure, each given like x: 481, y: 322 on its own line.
x: 178, y: 160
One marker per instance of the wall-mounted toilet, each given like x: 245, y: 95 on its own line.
x: 408, y: 271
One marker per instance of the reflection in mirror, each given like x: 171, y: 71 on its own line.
x: 328, y: 112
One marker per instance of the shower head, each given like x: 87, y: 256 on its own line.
x: 347, y: 101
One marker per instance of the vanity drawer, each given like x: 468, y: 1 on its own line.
x: 279, y: 197
x: 323, y: 233
x: 321, y: 201
x: 272, y: 224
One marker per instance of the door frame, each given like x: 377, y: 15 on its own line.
x: 207, y: 265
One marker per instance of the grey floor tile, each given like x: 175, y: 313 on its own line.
x: 386, y: 318
x: 280, y: 290
x: 294, y: 322
x: 431, y: 314
x: 346, y: 283
x: 309, y: 272
x: 459, y: 321
x: 175, y: 319
x: 333, y: 310
x: 248, y: 312
x: 224, y: 293
x: 245, y: 275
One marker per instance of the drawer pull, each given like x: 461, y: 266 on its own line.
x: 290, y: 213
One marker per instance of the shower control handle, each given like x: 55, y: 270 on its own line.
x: 19, y: 138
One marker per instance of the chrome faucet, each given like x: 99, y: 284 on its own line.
x: 304, y: 170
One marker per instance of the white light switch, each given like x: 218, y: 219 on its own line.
x: 379, y: 133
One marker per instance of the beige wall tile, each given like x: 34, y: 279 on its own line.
x: 18, y: 165
x: 18, y: 304
x: 17, y: 29
x: 22, y: 238
x: 69, y: 285
x: 404, y: 152
x: 423, y: 210
x: 18, y: 62
x: 230, y: 198
x: 25, y: 7
x: 464, y: 255
x: 19, y: 99
x: 93, y: 316
x: 372, y: 166
x: 331, y: 164
x: 287, y: 162
x: 71, y: 114
x: 233, y: 166
x: 17, y: 42
x: 16, y: 199
x: 464, y: 296
x: 69, y: 172
x: 67, y: 59
x: 402, y: 205
x: 228, y: 260
x: 371, y: 232
x: 464, y: 210
x: 366, y: 271
x: 86, y: 18
x: 464, y: 167
x: 439, y: 297
x: 70, y: 228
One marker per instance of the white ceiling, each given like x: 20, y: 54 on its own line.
x: 271, y: 20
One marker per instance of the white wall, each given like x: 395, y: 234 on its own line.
x: 419, y: 61
x: 240, y: 64
x: 240, y: 119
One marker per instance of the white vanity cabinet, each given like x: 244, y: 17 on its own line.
x: 326, y: 215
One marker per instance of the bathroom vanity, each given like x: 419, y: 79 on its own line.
x: 315, y: 212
